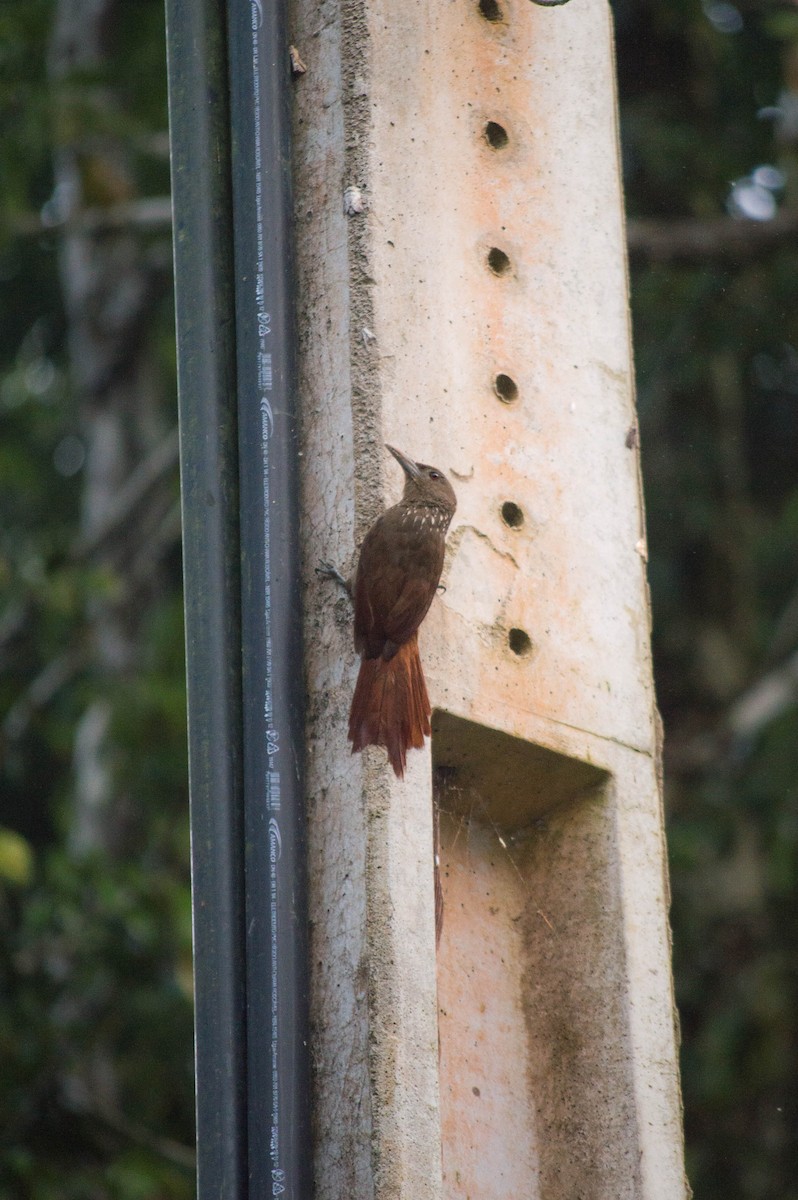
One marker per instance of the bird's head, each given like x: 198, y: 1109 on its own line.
x: 425, y: 484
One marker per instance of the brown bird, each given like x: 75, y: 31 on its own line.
x: 397, y: 575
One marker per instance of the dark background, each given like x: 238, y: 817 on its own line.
x: 95, y: 957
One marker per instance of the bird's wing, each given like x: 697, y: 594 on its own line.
x: 409, y: 608
x: 397, y: 575
x: 389, y: 606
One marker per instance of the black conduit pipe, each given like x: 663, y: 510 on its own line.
x: 200, y: 139
x: 228, y: 108
x: 279, y: 1145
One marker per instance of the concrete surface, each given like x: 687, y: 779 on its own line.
x: 474, y: 314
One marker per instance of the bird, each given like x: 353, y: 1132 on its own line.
x: 397, y: 576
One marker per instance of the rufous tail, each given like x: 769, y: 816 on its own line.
x: 390, y: 706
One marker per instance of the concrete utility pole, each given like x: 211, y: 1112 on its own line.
x: 463, y: 296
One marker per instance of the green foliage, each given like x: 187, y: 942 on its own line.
x: 715, y: 342
x: 16, y: 858
x: 96, y: 1006
x: 95, y: 970
x: 24, y: 105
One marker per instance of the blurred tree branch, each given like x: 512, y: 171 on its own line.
x: 168, y: 1149
x: 150, y: 214
x: 725, y: 239
x: 764, y: 701
x: 730, y: 740
x: 139, y: 486
x: 41, y: 690
x: 125, y: 523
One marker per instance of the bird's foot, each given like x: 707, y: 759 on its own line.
x: 328, y: 571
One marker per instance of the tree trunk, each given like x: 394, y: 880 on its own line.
x: 110, y: 281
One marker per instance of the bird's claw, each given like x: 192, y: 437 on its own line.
x: 327, y: 571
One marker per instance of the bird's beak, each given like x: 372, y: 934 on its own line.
x: 408, y: 466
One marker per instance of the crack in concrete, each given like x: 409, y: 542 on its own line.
x: 457, y: 537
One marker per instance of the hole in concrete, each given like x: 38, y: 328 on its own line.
x: 533, y: 1023
x: 512, y: 515
x: 498, y: 261
x: 496, y: 135
x: 505, y: 388
x: 519, y: 642
x: 490, y: 10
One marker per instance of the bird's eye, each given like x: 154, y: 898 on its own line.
x: 434, y: 475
